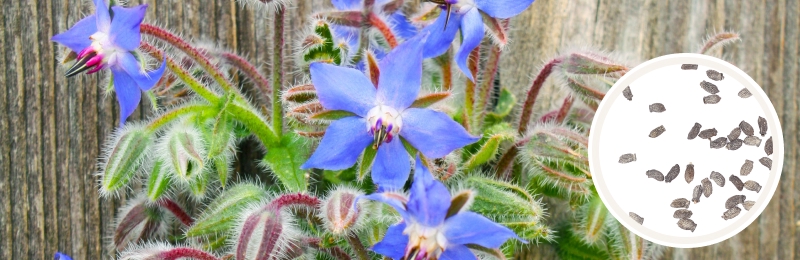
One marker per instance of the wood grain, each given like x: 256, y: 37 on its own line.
x: 53, y: 128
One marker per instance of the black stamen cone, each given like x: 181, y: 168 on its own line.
x: 80, y: 65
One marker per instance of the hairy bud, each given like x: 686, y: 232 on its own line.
x: 265, y: 233
x: 338, y: 211
x: 591, y: 63
x: 221, y: 214
x: 123, y: 158
x: 184, y: 147
x: 164, y: 251
x: 138, y: 221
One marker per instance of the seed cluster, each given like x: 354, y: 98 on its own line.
x: 743, y: 134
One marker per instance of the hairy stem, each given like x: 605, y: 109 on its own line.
x: 363, y: 40
x: 254, y: 123
x: 277, y: 69
x: 469, y: 92
x: 184, y: 75
x: 489, y: 74
x: 357, y: 246
x: 295, y: 199
x: 176, y: 210
x: 172, y: 115
x: 250, y: 71
x: 186, y: 252
x: 564, y: 110
x: 333, y: 251
x: 533, y: 92
x: 376, y: 22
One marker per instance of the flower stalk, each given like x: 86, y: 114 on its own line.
x: 277, y: 68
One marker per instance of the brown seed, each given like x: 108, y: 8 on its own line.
x: 734, y: 144
x: 766, y: 162
x: 628, y: 157
x: 698, y: 191
x: 718, y: 178
x: 735, y: 133
x: 708, y: 133
x: 706, y: 187
x: 747, y: 129
x: 682, y: 213
x: 731, y: 213
x: 689, y: 67
x: 636, y: 218
x: 747, y: 167
x: 680, y: 203
x: 768, y: 146
x: 709, y: 87
x: 744, y: 93
x: 715, y: 75
x: 655, y: 174
x: 752, y: 141
x: 687, y: 224
x: 762, y: 126
x: 734, y: 200
x: 736, y: 182
x: 657, y: 107
x: 657, y: 131
x: 627, y: 93
x: 718, y: 143
x: 712, y: 99
x: 753, y: 186
x: 689, y: 174
x: 695, y: 130
x: 748, y: 204
x: 673, y: 173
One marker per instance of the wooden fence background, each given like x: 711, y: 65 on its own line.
x: 52, y: 128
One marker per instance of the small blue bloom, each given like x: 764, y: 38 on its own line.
x: 427, y: 232
x: 106, y: 39
x: 466, y: 16
x: 382, y: 115
x: 61, y: 256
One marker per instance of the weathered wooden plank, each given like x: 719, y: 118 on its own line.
x: 788, y: 228
x: 49, y: 176
x: 76, y: 87
x: 5, y: 142
x: 61, y: 103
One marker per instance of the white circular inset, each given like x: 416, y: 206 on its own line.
x: 623, y: 126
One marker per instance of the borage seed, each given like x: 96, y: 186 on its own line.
x: 657, y: 107
x: 748, y: 204
x: 715, y: 75
x: 682, y: 213
x: 747, y: 167
x: 657, y: 131
x: 712, y: 99
x: 706, y: 187
x: 735, y: 133
x: 698, y: 191
x: 627, y: 93
x: 753, y: 186
x: 744, y: 93
x: 731, y: 213
x: 689, y: 67
x: 734, y: 200
x: 718, y: 143
x: 736, y: 182
x: 695, y: 130
x: 734, y: 144
x: 636, y: 218
x: 708, y: 133
x: 766, y: 162
x: 680, y: 203
x: 762, y: 126
x: 655, y: 174
x: 746, y: 128
x: 687, y: 224
x: 689, y: 174
x: 752, y: 141
x: 709, y: 87
x: 673, y: 173
x: 768, y: 146
x: 628, y: 157
x: 718, y: 178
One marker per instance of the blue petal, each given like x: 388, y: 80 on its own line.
x: 401, y: 26
x: 145, y: 80
x: 394, y: 243
x: 61, y: 256
x: 472, y: 228
x: 472, y: 30
x: 395, y: 200
x: 457, y: 252
x: 128, y: 94
x: 433, y: 133
x: 401, y: 74
x: 103, y: 16
x: 503, y: 8
x: 343, y: 142
x: 340, y: 88
x: 77, y: 37
x: 392, y: 167
x: 125, y: 26
x: 346, y: 4
x: 440, y: 37
x: 429, y: 199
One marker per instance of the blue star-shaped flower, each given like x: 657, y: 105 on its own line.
x: 466, y: 16
x: 103, y: 40
x: 427, y: 232
x: 381, y: 115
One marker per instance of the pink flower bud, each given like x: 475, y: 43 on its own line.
x: 338, y: 212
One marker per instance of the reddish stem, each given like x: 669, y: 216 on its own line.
x: 565, y: 107
x: 383, y: 28
x: 295, y: 199
x: 176, y: 210
x: 250, y: 71
x: 533, y: 92
x: 469, y: 92
x: 489, y: 73
x: 334, y: 251
x: 186, y: 252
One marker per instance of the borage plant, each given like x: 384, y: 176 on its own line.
x: 341, y: 147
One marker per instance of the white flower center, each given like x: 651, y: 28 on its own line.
x: 102, y: 45
x: 384, y: 124
x: 424, y: 242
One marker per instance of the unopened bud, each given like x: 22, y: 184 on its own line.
x: 352, y: 19
x: 158, y: 182
x: 220, y: 215
x: 124, y: 157
x: 183, y: 146
x: 138, y: 221
x: 338, y: 212
x: 164, y: 251
x: 591, y: 63
x: 265, y: 233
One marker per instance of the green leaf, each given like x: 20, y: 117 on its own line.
x: 222, y: 167
x: 221, y: 214
x: 326, y: 51
x: 332, y: 115
x: 158, y: 182
x: 592, y: 217
x: 125, y: 159
x: 505, y: 103
x: 430, y: 99
x: 489, y: 145
x: 198, y: 185
x: 285, y: 160
x: 365, y: 165
x: 571, y: 247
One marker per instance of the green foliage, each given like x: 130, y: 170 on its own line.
x: 219, y: 218
x: 158, y: 182
x: 126, y: 157
x: 489, y: 145
x: 285, y: 159
x: 570, y: 246
x: 321, y: 46
x: 505, y: 104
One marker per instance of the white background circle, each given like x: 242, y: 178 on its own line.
x: 621, y: 126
